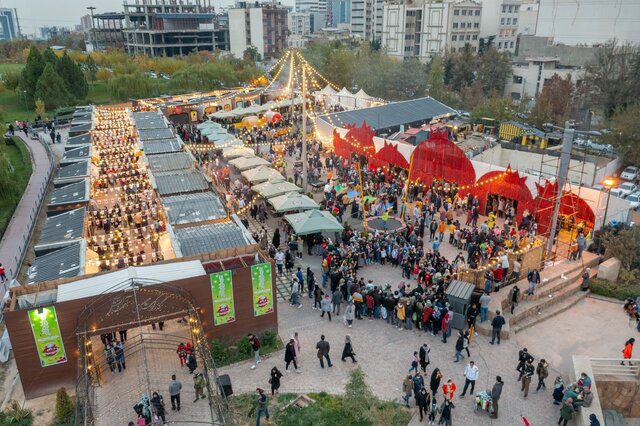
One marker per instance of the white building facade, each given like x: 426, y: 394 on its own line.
x: 263, y: 26
x: 366, y: 19
x: 463, y: 26
x: 529, y: 76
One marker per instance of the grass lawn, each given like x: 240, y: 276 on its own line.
x: 17, y: 155
x: 327, y: 410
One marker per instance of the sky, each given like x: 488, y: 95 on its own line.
x: 34, y: 14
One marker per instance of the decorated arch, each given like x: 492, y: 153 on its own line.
x: 571, y: 206
x: 507, y: 184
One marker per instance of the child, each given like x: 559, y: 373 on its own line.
x: 433, y: 410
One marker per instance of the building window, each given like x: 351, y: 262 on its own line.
x: 516, y: 8
x: 508, y: 21
x: 475, y: 37
x: 455, y: 25
x: 473, y: 49
x: 504, y: 8
x: 476, y: 25
x: 501, y: 21
x: 515, y: 96
x: 510, y: 8
x: 515, y: 21
x: 477, y: 13
x: 468, y: 37
x: 456, y: 12
x: 464, y: 12
x: 511, y: 45
x: 517, y: 79
x: 454, y: 37
x: 499, y: 45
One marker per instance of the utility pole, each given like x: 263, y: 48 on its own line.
x: 304, y: 128
x: 563, y: 170
x: 91, y: 30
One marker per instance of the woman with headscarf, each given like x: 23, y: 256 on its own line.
x: 158, y: 406
x: 276, y: 375
x: 434, y: 384
x: 347, y: 351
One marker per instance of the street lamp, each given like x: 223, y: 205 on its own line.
x: 92, y: 35
x: 608, y: 183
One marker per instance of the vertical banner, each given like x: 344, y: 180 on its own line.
x: 262, y: 289
x: 224, y: 310
x: 46, y: 332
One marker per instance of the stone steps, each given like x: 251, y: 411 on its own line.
x: 613, y: 418
x: 550, y: 311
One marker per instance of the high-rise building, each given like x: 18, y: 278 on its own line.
x: 170, y: 28
x: 9, y: 25
x: 107, y: 31
x: 463, y: 27
x: 85, y: 23
x: 366, y: 19
x: 301, y: 23
x: 338, y: 12
x: 259, y: 25
x: 528, y: 19
x: 47, y: 33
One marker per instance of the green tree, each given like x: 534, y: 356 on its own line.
x: 472, y: 96
x: 64, y: 408
x: 553, y: 103
x: 49, y: 56
x: 31, y: 73
x: 492, y: 70
x: 41, y: 109
x: 625, y: 134
x: 251, y: 55
x: 131, y: 86
x: 52, y: 89
x: 92, y: 67
x: 498, y: 108
x: 3, y: 125
x: 435, y: 78
x: 73, y: 77
x: 358, y: 396
x: 11, y: 79
x: 462, y: 72
x: 625, y: 246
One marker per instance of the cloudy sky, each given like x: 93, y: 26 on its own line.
x: 34, y: 14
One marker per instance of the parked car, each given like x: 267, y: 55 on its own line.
x: 625, y: 189
x: 634, y: 200
x: 630, y: 173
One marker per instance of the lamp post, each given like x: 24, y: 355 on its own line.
x: 607, y: 183
x: 91, y: 31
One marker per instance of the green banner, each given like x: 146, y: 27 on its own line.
x: 46, y: 332
x: 262, y: 289
x: 224, y: 310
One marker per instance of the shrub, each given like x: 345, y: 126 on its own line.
x: 225, y: 352
x: 64, y: 408
x: 617, y: 290
x: 15, y: 415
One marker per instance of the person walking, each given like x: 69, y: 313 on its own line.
x: 192, y: 363
x: 174, y: 392
x: 295, y: 293
x: 496, y: 327
x: 414, y: 363
x: 534, y: 280
x: 471, y: 373
x: 274, y: 380
x: 198, y: 386
x: 262, y: 406
x: 496, y: 392
x: 424, y: 356
x: 347, y: 351
x: 336, y: 299
x: 182, y: 354
x: 350, y: 314
x: 449, y: 389
x: 119, y: 353
x: 290, y: 356
x: 542, y: 370
x: 434, y: 383
x: 3, y: 274
x: 423, y: 402
x: 514, y: 297
x: 523, y: 357
x: 407, y: 389
x: 109, y: 357
x: 446, y: 413
x: 484, y: 306
x: 459, y: 346
x: 323, y: 348
x: 326, y: 306
x: 433, y: 410
x: 627, y: 352
x: 255, y: 346
x: 158, y: 407
x: 526, y: 377
x: 566, y: 412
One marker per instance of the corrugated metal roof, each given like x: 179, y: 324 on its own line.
x: 75, y: 192
x: 75, y: 154
x: 62, y: 263
x: 73, y: 170
x: 191, y: 208
x: 460, y: 289
x: 181, y: 182
x: 168, y: 162
x: 81, y: 127
x: 162, y: 146
x: 150, y: 134
x: 62, y: 228
x: 208, y: 238
x: 391, y: 115
x: 80, y: 140
x: 149, y: 120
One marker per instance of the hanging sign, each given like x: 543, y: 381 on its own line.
x: 262, y: 289
x: 46, y: 332
x: 224, y: 311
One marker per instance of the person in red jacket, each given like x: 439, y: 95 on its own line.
x: 448, y: 389
x: 182, y: 353
x: 627, y: 352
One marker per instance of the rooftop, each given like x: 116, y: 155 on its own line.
x: 84, y: 139
x: 74, y: 154
x: 180, y: 182
x: 192, y: 208
x: 70, y: 193
x: 162, y: 146
x: 208, y: 238
x: 61, y: 230
x: 73, y: 170
x: 149, y: 120
x: 62, y: 263
x: 151, y: 134
x: 169, y: 162
x: 391, y: 115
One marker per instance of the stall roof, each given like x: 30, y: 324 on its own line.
x: 191, y: 208
x: 62, y: 263
x: 196, y: 240
x: 61, y: 229
x: 149, y: 120
x: 74, y: 154
x: 75, y: 170
x: 83, y: 126
x: 162, y: 146
x: 181, y: 182
x: 152, y: 134
x: 70, y: 193
x: 168, y: 162
x: 118, y: 280
x: 460, y: 289
x: 392, y: 114
x: 84, y: 139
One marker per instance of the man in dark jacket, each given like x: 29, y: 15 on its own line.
x: 523, y: 357
x: 424, y: 356
x: 496, y: 327
x: 527, y: 374
x: 472, y: 314
x: 496, y: 391
x: 323, y: 351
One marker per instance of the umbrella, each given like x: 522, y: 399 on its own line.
x: 313, y: 221
x: 237, y: 151
x: 246, y: 163
x: 272, y: 116
x: 273, y: 188
x: 292, y: 201
x: 261, y: 174
x: 252, y: 120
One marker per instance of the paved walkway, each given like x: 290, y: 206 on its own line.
x: 17, y: 234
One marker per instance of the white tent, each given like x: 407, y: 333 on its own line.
x: 343, y: 98
x: 362, y: 99
x: 324, y: 94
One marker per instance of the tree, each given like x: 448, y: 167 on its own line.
x: 625, y: 134
x: 553, y: 103
x: 472, y: 96
x: 64, y: 408
x: 11, y: 79
x: 435, y: 78
x: 625, y: 246
x: 462, y: 72
x: 358, y: 396
x: 251, y: 54
x: 73, y: 77
x: 131, y: 86
x: 3, y: 126
x: 92, y: 67
x: 498, y: 108
x: 40, y: 108
x: 492, y: 70
x: 49, y: 56
x: 31, y: 73
x: 611, y: 78
x: 52, y: 89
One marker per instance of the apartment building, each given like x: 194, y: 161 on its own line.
x: 261, y: 25
x: 9, y: 25
x: 463, y: 25
x: 529, y: 76
x: 338, y: 12
x: 301, y: 23
x: 366, y: 19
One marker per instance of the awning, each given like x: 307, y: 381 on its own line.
x: 292, y: 201
x: 272, y: 188
x: 313, y: 221
x: 237, y: 151
x: 246, y: 163
x: 261, y: 174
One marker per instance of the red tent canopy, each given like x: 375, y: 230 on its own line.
x: 508, y: 184
x: 438, y: 157
x: 570, y: 205
x: 390, y: 154
x: 358, y: 140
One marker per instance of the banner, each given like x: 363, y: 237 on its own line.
x: 46, y: 332
x: 262, y: 289
x: 224, y: 310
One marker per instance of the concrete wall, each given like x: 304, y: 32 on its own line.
x: 620, y: 396
x: 532, y: 46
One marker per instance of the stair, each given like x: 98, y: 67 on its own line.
x: 550, y: 311
x: 613, y: 418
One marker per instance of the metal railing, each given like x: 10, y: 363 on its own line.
x: 612, y: 367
